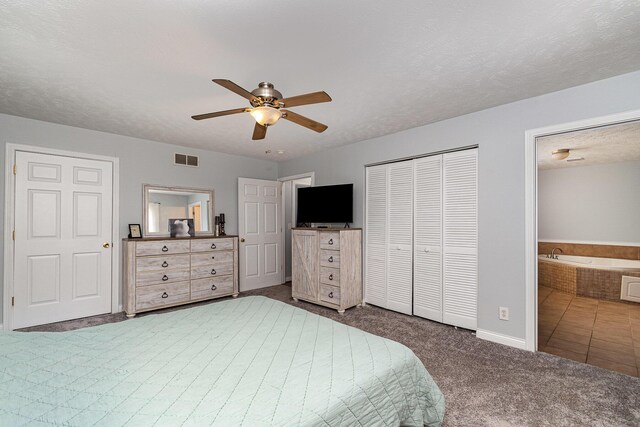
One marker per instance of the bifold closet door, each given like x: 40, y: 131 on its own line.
x: 460, y: 238
x: 400, y: 238
x: 427, y: 233
x: 376, y: 200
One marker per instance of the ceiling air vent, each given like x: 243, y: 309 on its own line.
x: 185, y: 160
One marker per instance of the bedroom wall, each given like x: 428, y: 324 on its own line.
x: 141, y: 162
x: 595, y: 203
x: 499, y: 133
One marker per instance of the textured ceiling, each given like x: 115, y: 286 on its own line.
x: 608, y: 144
x: 142, y: 68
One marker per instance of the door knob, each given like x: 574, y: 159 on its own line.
x: 106, y: 245
x: 242, y: 240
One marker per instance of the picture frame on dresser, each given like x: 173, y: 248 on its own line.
x: 135, y: 231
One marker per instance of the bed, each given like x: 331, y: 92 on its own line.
x: 252, y: 361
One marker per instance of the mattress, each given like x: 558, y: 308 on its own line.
x: 251, y: 361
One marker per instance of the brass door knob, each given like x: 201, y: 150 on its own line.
x: 106, y: 245
x: 242, y: 240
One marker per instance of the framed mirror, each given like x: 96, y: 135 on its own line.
x: 161, y: 204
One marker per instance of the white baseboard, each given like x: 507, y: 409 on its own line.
x: 287, y: 279
x: 502, y: 339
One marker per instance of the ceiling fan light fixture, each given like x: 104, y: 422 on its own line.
x: 560, y: 154
x: 266, y: 116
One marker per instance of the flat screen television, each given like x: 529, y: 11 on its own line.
x: 325, y: 204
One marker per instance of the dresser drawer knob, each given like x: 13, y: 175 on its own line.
x: 331, y: 241
x: 165, y: 295
x: 165, y: 264
x: 330, y: 259
x: 331, y: 277
x: 213, y: 271
x: 213, y: 246
x: 165, y: 248
x: 214, y: 287
x: 165, y: 278
x: 331, y: 294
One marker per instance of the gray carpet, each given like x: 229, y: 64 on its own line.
x: 485, y: 384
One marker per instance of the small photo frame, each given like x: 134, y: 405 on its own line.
x: 181, y: 227
x: 135, y: 231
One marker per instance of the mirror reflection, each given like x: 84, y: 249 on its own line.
x: 164, y: 204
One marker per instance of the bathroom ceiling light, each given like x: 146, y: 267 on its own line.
x: 560, y: 154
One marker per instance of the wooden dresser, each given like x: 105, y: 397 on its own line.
x: 161, y: 272
x: 327, y: 266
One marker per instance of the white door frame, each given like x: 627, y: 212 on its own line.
x: 282, y: 180
x: 9, y: 210
x: 531, y: 210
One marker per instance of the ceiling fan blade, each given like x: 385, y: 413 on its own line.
x: 219, y: 113
x: 228, y: 84
x: 259, y: 131
x: 308, y: 98
x: 303, y: 121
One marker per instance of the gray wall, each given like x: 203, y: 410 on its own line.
x: 499, y: 132
x: 141, y: 162
x: 599, y: 203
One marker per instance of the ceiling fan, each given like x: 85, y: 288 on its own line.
x: 267, y: 107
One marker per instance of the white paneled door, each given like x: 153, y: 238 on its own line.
x: 63, y: 231
x: 260, y: 229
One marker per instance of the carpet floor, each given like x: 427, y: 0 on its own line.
x: 485, y: 384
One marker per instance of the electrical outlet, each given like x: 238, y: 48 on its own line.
x: 504, y: 313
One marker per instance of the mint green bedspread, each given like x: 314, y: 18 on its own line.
x: 252, y: 361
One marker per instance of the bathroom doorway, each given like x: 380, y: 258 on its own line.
x: 290, y: 186
x: 587, y: 245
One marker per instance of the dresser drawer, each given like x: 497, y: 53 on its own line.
x: 161, y: 247
x: 330, y: 276
x: 211, y: 287
x: 213, y: 259
x: 156, y: 277
x: 203, y: 245
x: 330, y: 294
x: 160, y: 295
x: 330, y: 240
x: 329, y: 258
x: 162, y: 263
x: 207, y: 267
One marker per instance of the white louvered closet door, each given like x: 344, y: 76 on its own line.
x: 460, y: 232
x: 376, y: 235
x: 400, y: 237
x: 427, y: 234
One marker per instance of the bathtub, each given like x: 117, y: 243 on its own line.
x: 593, y: 262
x: 586, y: 276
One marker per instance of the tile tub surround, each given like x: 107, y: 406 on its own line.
x: 587, y: 282
x: 557, y: 276
x: 599, y: 251
x: 600, y: 333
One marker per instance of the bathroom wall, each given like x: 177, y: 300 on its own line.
x: 596, y: 204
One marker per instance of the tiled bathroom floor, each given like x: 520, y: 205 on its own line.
x: 597, y: 332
